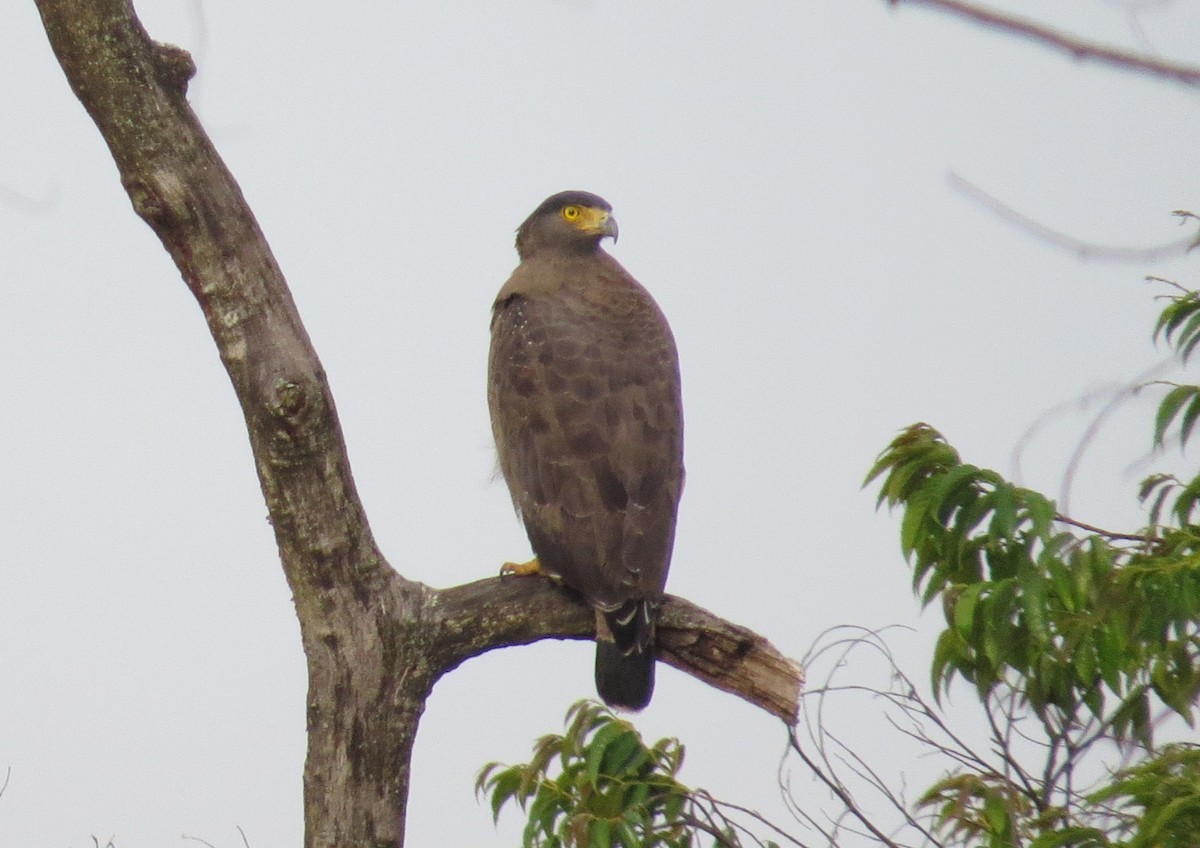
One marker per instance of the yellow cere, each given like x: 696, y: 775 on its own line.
x: 585, y: 217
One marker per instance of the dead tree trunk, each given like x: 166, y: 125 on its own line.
x: 375, y: 641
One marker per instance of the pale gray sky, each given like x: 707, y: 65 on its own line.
x: 779, y: 170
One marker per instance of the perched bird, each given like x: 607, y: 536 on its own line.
x: 583, y: 388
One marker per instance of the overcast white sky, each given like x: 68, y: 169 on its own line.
x: 779, y: 171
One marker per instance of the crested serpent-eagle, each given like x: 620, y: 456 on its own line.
x: 583, y: 389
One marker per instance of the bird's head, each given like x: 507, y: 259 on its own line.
x: 567, y: 222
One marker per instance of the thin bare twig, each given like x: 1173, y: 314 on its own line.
x: 1083, y: 403
x: 754, y: 814
x: 1100, y: 531
x: 1082, y: 249
x: 1092, y: 431
x: 1003, y: 739
x: 863, y: 769
x: 837, y: 789
x: 1078, y: 48
x: 803, y: 817
x: 708, y: 827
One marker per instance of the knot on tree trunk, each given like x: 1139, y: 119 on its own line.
x: 159, y: 197
x: 175, y: 66
x: 299, y: 419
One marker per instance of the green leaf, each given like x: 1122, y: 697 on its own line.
x: 947, y: 654
x: 596, y: 748
x: 673, y: 806
x: 1132, y: 718
x: 504, y: 788
x: 953, y: 488
x: 1004, y: 511
x: 912, y: 524
x: 1168, y: 409
x: 1186, y: 501
x: 1083, y: 659
x: 636, y: 794
x: 996, y: 814
x: 484, y: 779
x: 1061, y: 583
x: 1109, y: 656
x: 1163, y: 485
x: 626, y: 836
x: 1179, y: 310
x: 1033, y: 601
x: 1041, y: 511
x: 1188, y: 422
x: 545, y: 750
x: 581, y: 719
x: 1185, y: 341
x: 544, y: 812
x: 599, y: 834
x: 915, y: 454
x: 964, y: 609
x: 624, y: 754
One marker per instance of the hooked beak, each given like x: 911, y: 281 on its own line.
x: 609, y: 227
x: 599, y: 222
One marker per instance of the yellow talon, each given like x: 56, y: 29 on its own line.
x: 521, y: 569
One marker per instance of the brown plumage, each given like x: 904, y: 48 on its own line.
x: 583, y: 387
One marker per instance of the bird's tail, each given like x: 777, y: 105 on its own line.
x: 625, y: 665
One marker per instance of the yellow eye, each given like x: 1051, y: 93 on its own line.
x: 571, y: 213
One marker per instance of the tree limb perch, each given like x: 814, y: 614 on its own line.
x: 499, y: 612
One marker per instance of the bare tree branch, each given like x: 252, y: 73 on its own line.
x: 1082, y: 249
x: 498, y: 612
x: 375, y: 642
x: 1078, y: 48
x: 1112, y: 535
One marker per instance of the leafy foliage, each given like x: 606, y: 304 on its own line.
x: 1157, y: 803
x: 1099, y: 622
x: 1179, y: 323
x: 1092, y: 634
x: 611, y: 789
